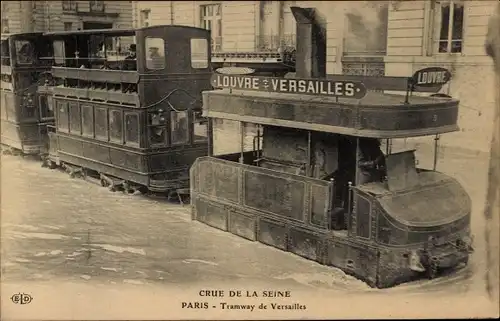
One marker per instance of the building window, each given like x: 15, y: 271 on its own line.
x: 449, y: 17
x: 68, y: 26
x: 69, y: 5
x: 96, y: 6
x: 211, y: 19
x: 145, y: 15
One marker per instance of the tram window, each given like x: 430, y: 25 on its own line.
x: 157, y: 128
x: 24, y: 52
x: 62, y: 116
x: 75, y: 122
x: 199, y: 53
x: 200, y: 129
x: 5, y: 53
x: 132, y: 128
x: 87, y: 121
x: 116, y: 126
x: 363, y: 209
x: 45, y: 110
x: 155, y: 53
x: 179, y: 127
x: 101, y: 123
x: 58, y: 52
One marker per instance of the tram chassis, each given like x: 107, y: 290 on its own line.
x: 379, y: 266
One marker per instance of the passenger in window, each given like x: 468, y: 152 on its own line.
x: 25, y: 54
x: 156, y: 58
x: 372, y: 161
x: 132, y: 54
x: 130, y: 62
x: 180, y: 128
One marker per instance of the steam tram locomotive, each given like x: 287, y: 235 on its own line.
x: 26, y: 60
x: 128, y: 105
x: 320, y: 186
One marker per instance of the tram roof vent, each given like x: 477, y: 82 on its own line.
x: 311, y: 43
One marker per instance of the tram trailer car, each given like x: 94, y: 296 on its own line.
x: 128, y: 105
x: 26, y: 60
x: 320, y: 187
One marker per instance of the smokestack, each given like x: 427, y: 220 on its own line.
x: 311, y: 44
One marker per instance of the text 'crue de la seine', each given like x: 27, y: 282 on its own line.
x: 209, y: 295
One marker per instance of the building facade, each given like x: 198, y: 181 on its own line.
x: 249, y: 26
x: 450, y: 34
x: 29, y: 16
x: 393, y: 38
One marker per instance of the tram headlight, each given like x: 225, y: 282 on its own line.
x: 28, y: 100
x: 415, y: 262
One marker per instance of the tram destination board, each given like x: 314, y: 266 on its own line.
x: 431, y: 77
x: 315, y: 87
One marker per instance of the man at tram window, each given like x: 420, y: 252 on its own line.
x: 130, y: 62
x: 371, y: 162
x: 155, y: 61
x: 25, y: 54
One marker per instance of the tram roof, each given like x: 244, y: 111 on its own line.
x: 20, y: 34
x: 129, y: 31
x: 376, y: 115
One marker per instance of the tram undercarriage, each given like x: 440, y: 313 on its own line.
x: 172, y: 183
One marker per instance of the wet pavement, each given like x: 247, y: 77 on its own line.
x: 71, y: 230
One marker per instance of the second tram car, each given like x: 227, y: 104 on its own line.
x: 320, y: 185
x: 128, y: 104
x: 26, y: 59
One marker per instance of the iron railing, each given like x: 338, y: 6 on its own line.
x: 274, y: 42
x: 363, y: 68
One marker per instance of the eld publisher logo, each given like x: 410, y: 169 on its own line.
x: 21, y: 298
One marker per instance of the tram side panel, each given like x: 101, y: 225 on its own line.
x: 20, y: 117
x: 100, y: 136
x: 259, y: 204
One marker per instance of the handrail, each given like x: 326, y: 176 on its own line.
x: 88, y: 94
x: 97, y: 75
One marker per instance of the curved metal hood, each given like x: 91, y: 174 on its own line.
x: 436, y: 200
